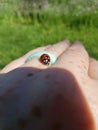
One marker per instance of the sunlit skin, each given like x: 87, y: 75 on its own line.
x: 63, y: 96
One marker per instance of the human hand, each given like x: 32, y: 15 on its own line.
x: 62, y: 96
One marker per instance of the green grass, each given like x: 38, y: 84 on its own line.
x: 20, y: 33
x: 16, y: 40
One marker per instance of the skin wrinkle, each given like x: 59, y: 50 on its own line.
x: 89, y: 71
x: 70, y: 62
x: 74, y: 53
x: 82, y: 71
x: 81, y: 67
x: 85, y: 68
x: 83, y: 81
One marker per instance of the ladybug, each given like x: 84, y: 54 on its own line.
x: 45, y: 59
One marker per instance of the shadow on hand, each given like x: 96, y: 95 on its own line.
x: 54, y: 92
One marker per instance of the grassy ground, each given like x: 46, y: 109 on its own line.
x: 19, y: 33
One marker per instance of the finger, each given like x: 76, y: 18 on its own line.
x: 35, y: 50
x: 20, y: 61
x: 14, y: 64
x: 56, y: 50
x: 75, y: 59
x: 59, y: 48
x: 93, y: 68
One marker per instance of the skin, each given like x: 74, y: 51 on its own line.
x: 62, y: 96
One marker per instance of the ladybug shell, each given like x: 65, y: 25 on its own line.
x: 45, y: 59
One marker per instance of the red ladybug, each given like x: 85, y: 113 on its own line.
x: 45, y: 59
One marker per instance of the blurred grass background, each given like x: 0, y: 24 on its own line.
x: 27, y: 24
